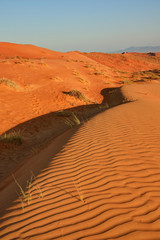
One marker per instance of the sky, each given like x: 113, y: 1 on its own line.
x: 84, y: 25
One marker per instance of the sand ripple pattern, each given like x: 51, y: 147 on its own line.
x: 104, y: 184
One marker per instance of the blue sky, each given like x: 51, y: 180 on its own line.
x: 84, y: 25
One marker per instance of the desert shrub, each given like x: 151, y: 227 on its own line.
x: 8, y: 82
x: 62, y: 113
x: 88, y: 66
x: 72, y: 120
x: 77, y: 94
x: 12, y: 137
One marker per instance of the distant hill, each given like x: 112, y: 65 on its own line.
x: 140, y: 49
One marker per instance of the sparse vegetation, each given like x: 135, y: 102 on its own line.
x: 128, y: 81
x: 75, y: 119
x: 63, y: 113
x: 143, y: 76
x: 75, y: 73
x: 77, y: 94
x: 25, y: 196
x: 88, y: 66
x: 71, y: 122
x: 8, y: 82
x: 14, y: 137
x: 81, y: 79
x: 18, y: 57
x: 70, y: 118
x: 98, y: 73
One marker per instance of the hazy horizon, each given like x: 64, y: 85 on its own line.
x: 86, y: 25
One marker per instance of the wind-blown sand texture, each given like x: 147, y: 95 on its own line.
x: 105, y: 181
x: 99, y: 180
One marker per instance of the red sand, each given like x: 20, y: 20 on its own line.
x: 41, y: 75
x: 103, y: 183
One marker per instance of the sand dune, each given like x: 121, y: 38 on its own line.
x: 33, y: 79
x: 105, y: 181
x: 99, y: 180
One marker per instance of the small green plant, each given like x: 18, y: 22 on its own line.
x: 69, y: 122
x: 8, y: 82
x: 21, y: 189
x: 14, y: 137
x: 37, y: 186
x: 72, y: 120
x: 75, y: 119
x: 25, y: 196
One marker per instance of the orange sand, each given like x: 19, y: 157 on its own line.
x: 97, y: 181
x: 41, y: 75
x: 104, y: 183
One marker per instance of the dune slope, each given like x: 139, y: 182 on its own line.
x: 104, y: 183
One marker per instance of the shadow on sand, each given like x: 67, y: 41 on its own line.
x: 39, y: 134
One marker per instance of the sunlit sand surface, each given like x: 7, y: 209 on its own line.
x: 105, y: 181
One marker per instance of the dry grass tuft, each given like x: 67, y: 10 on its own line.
x: 77, y: 94
x: 8, y: 82
x: 12, y: 138
x: 70, y: 118
x: 88, y: 66
x: 25, y: 196
x: 98, y: 73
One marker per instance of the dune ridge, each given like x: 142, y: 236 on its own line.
x: 104, y: 183
x: 40, y: 76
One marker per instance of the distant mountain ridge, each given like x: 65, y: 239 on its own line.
x: 140, y: 49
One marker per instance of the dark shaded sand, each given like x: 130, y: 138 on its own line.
x: 104, y: 183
